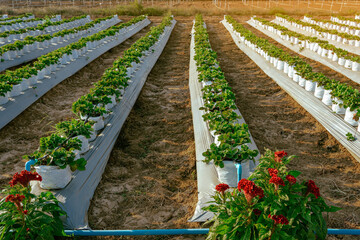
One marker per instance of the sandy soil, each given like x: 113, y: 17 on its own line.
x: 276, y: 121
x: 150, y: 180
x: 21, y: 136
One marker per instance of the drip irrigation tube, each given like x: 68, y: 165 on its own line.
x: 194, y: 231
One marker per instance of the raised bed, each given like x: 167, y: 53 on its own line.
x: 333, y: 123
x: 306, y: 52
x: 19, y: 103
x: 31, y: 55
x: 207, y: 176
x: 75, y: 198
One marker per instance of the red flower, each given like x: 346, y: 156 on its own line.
x: 24, y: 178
x: 250, y: 189
x: 16, y: 199
x: 312, y: 188
x: 257, y: 212
x: 25, y: 212
x: 291, y: 179
x: 277, y: 180
x: 28, y: 229
x: 279, y: 219
x: 279, y: 155
x: 272, y: 171
x: 222, y: 187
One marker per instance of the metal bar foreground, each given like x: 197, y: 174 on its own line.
x: 194, y: 231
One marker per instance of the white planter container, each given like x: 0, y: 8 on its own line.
x: 84, y: 144
x: 349, y: 117
x: 302, y: 81
x: 228, y: 174
x: 319, y: 91
x: 4, y: 99
x: 24, y: 85
x: 335, y: 58
x: 348, y: 63
x: 53, y: 177
x: 296, y: 77
x: 355, y: 66
x: 16, y: 90
x: 327, y: 98
x: 286, y: 68
x: 341, y: 61
x: 41, y: 74
x: 99, y: 123
x: 336, y: 107
x: 310, y: 85
x: 280, y: 65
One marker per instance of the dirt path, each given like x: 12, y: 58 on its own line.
x: 150, y: 180
x: 317, y: 67
x: 276, y: 121
x: 21, y: 136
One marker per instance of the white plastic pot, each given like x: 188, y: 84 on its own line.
x: 302, y: 81
x: 349, y: 117
x: 280, y: 65
x: 319, y: 91
x: 84, y: 144
x: 99, y: 122
x: 4, y: 99
x: 355, y: 66
x: 336, y: 106
x: 92, y: 136
x: 53, y: 177
x: 327, y: 98
x: 310, y: 85
x: 227, y: 174
x: 341, y: 61
x: 15, y: 91
x: 335, y: 58
x: 296, y: 77
x: 348, y: 63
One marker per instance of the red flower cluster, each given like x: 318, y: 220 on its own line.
x: 250, y: 189
x: 17, y: 199
x: 222, y: 187
x: 257, y: 212
x: 279, y: 155
x: 25, y: 212
x: 273, y: 172
x: 291, y: 179
x: 312, y: 188
x: 277, y: 181
x: 24, y: 178
x: 279, y: 219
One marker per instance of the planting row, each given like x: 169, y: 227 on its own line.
x: 94, y: 108
x: 321, y: 47
x: 347, y: 21
x: 23, y: 17
x: 342, y: 98
x: 231, y: 139
x: 333, y: 35
x: 49, y: 27
x: 333, y: 25
x: 32, y: 47
x: 56, y: 66
x: 20, y: 24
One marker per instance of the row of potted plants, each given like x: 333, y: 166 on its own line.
x: 91, y: 110
x: 230, y: 137
x: 273, y: 203
x: 321, y: 47
x: 335, y: 35
x: 44, y: 28
x: 345, y: 20
x: 342, y: 98
x: 6, y: 18
x: 353, y: 30
x: 19, y: 24
x: 12, y: 83
x: 32, y: 43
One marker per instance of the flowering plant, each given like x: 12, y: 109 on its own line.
x: 271, y: 204
x: 27, y: 216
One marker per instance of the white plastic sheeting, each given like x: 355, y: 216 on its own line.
x: 354, y: 76
x: 19, y: 103
x: 333, y: 123
x: 207, y: 177
x: 75, y: 198
x: 27, y: 57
